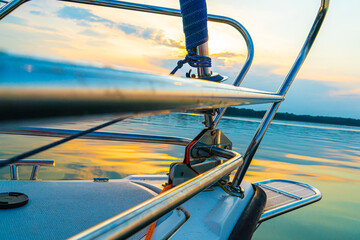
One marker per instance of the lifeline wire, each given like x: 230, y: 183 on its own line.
x: 56, y: 143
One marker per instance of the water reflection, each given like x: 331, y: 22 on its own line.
x: 114, y: 159
x: 263, y: 169
x: 84, y: 159
x: 324, y: 156
x: 317, y: 152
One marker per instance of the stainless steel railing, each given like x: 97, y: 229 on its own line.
x: 106, y: 136
x: 270, y: 113
x: 129, y: 222
x: 177, y: 13
x: 75, y: 91
x: 29, y: 162
x: 164, y: 11
x: 10, y: 6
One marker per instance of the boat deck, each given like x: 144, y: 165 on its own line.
x: 61, y: 209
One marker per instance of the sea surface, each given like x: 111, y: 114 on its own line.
x: 324, y: 156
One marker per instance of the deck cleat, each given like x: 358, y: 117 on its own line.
x: 214, y: 77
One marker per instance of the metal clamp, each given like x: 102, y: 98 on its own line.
x: 198, y: 156
x: 14, y: 174
x: 211, y: 138
x: 232, y: 190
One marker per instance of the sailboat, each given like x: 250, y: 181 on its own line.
x: 203, y: 197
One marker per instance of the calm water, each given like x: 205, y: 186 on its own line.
x: 325, y: 156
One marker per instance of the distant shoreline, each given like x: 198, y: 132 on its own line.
x: 244, y: 112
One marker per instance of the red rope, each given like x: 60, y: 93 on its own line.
x: 187, y: 152
x: 151, y: 229
x: 188, y: 147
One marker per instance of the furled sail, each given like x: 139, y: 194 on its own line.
x: 194, y: 15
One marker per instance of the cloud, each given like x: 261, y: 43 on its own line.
x: 226, y: 55
x: 91, y: 33
x: 16, y: 20
x: 130, y: 29
x: 83, y: 16
x: 95, y: 43
x: 227, y: 59
x: 160, y: 38
x: 157, y: 36
x: 37, y: 13
x: 353, y: 92
x: 49, y: 29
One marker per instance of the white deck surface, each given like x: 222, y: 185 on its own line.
x: 61, y: 209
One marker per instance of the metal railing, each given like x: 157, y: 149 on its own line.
x: 177, y: 13
x: 183, y: 94
x: 91, y: 91
x: 270, y: 113
x: 10, y: 6
x: 131, y: 221
x: 164, y: 11
x: 106, y: 136
x: 150, y: 9
x: 14, y: 175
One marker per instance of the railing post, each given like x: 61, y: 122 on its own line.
x: 14, y: 175
x: 269, y: 115
x: 11, y: 6
x: 35, y: 172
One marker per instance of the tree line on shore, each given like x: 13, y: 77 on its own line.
x: 244, y: 112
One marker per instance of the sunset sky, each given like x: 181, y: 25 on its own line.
x: 328, y: 84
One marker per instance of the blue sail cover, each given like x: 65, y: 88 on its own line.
x: 194, y: 15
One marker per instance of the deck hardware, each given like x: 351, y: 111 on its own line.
x: 180, y: 172
x: 199, y: 159
x: 10, y: 200
x: 14, y: 174
x: 214, y: 77
x: 209, y: 119
x: 103, y: 179
x: 231, y: 190
x: 137, y: 218
x: 212, y: 137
